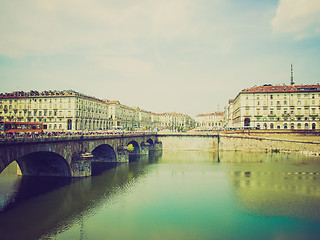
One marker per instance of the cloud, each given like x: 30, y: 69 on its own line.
x: 43, y: 27
x: 299, y: 17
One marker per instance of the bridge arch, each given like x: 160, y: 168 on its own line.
x: 44, y: 163
x: 151, y: 144
x: 136, y: 146
x: 104, y: 153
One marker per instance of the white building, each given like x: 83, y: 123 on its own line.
x: 174, y: 121
x: 228, y: 113
x: 277, y: 107
x: 210, y: 121
x: 125, y: 117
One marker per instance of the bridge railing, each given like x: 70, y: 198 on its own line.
x: 62, y: 136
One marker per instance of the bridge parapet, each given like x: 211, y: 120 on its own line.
x: 69, y: 150
x: 16, y: 138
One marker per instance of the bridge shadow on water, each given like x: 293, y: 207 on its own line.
x: 38, y: 206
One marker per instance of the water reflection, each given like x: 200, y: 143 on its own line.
x: 278, y: 193
x: 49, y: 204
x: 189, y: 157
x: 181, y: 194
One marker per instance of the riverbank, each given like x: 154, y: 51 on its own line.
x: 251, y: 142
x: 284, y: 136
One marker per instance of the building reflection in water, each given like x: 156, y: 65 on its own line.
x: 50, y: 203
x: 288, y: 189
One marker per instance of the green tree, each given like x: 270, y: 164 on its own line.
x: 130, y: 147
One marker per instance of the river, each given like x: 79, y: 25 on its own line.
x: 173, y: 195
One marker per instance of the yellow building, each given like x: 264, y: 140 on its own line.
x: 57, y: 110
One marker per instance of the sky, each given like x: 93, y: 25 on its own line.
x: 186, y: 56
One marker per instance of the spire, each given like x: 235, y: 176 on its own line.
x: 291, y: 76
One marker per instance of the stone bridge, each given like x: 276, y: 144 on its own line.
x: 73, y: 156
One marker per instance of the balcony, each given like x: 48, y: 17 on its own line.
x: 286, y: 115
x: 258, y: 115
x: 313, y: 115
x: 271, y: 115
x: 299, y: 115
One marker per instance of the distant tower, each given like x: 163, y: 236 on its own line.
x: 218, y: 109
x: 292, y: 82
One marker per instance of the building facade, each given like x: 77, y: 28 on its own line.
x: 57, y: 110
x: 125, y: 117
x: 276, y: 107
x: 70, y: 110
x: 146, y: 119
x: 228, y: 113
x: 174, y: 121
x: 210, y: 121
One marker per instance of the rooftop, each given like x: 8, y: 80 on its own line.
x: 50, y: 93
x: 268, y: 88
x: 210, y: 114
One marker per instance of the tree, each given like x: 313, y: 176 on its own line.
x: 130, y: 147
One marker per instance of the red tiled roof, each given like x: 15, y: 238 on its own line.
x: 282, y: 88
x: 210, y: 114
x: 173, y: 114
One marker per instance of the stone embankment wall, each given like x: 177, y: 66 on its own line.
x: 189, y: 142
x: 215, y: 142
x: 247, y: 143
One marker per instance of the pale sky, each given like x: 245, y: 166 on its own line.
x: 183, y: 56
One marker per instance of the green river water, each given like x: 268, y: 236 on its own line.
x: 173, y: 195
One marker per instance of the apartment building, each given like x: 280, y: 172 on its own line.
x: 57, y: 110
x: 210, y: 121
x: 125, y: 117
x: 174, y: 121
x: 276, y: 107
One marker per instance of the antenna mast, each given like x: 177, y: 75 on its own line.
x: 291, y: 76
